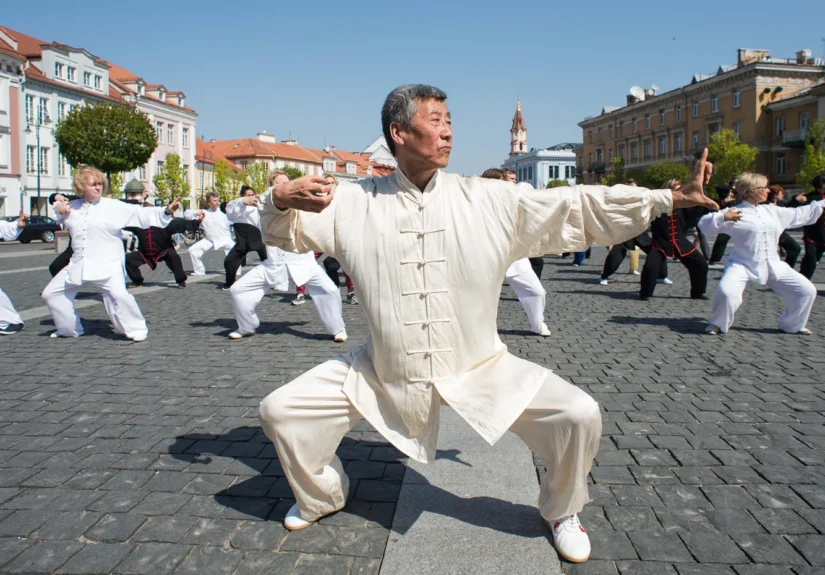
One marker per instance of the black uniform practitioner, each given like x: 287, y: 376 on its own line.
x: 813, y: 235
x: 156, y: 244
x: 726, y: 200
x: 669, y: 237
x: 786, y: 242
x: 618, y: 252
x: 247, y: 239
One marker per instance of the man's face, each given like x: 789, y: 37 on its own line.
x: 280, y: 179
x: 510, y: 177
x: 429, y: 140
x: 214, y: 202
x: 93, y: 189
x: 248, y: 192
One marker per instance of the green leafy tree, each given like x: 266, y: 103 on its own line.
x: 661, y: 173
x: 257, y: 176
x: 111, y: 137
x: 225, y: 180
x: 730, y: 157
x: 557, y: 184
x: 292, y: 172
x: 116, y: 183
x: 616, y: 175
x: 814, y: 161
x: 171, y: 181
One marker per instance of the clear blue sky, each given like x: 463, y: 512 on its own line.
x: 322, y: 69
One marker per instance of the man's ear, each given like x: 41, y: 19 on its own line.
x: 397, y: 133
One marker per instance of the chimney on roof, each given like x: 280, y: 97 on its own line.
x: 268, y: 138
x: 631, y: 99
x: 803, y: 56
x: 212, y: 140
x: 290, y: 142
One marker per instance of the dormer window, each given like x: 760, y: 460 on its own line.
x: 98, y: 82
x: 329, y: 165
x: 87, y: 79
x: 351, y: 167
x: 161, y: 95
x: 71, y: 73
x: 58, y: 69
x: 141, y: 89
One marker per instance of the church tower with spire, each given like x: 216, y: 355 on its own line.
x: 518, y: 133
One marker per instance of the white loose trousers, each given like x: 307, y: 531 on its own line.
x: 307, y: 418
x: 196, y: 252
x: 248, y: 292
x: 123, y: 310
x: 798, y: 291
x: 531, y: 295
x: 8, y: 315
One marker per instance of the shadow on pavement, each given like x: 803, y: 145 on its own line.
x: 684, y: 325
x: 266, y: 327
x: 611, y: 294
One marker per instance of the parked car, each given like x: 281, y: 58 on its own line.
x: 38, y: 228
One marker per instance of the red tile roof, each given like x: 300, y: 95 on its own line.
x: 26, y: 45
x: 254, y: 148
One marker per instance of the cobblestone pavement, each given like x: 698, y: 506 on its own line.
x: 148, y: 458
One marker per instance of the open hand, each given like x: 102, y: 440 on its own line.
x: 802, y: 198
x: 692, y: 193
x: 61, y: 208
x: 250, y: 200
x: 22, y: 220
x: 308, y: 194
x: 733, y: 215
x: 173, y: 207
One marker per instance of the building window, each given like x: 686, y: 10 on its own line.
x: 72, y: 107
x: 599, y: 156
x: 621, y: 151
x: 98, y: 82
x: 160, y: 166
x: 621, y: 128
x: 87, y: 78
x: 804, y: 120
x: 714, y: 103
x: 29, y: 109
x: 780, y: 164
x: 170, y: 134
x: 662, y: 117
x: 142, y: 173
x: 678, y: 113
x: 58, y: 69
x: 696, y: 139
x: 590, y: 136
x: 696, y: 108
x: 647, y: 121
x: 159, y: 131
x: 567, y: 172
x: 737, y: 97
x: 677, y: 142
x: 530, y: 172
x: 610, y: 155
x: 71, y: 72
x: 185, y: 141
x: 662, y: 146
x: 62, y: 165
x: 634, y: 151
x: 44, y: 160
x: 600, y: 134
x: 635, y: 128
x: 735, y: 127
x: 43, y: 111
x: 647, y: 149
x: 780, y: 126
x: 61, y: 110
x: 610, y: 131
x: 590, y: 158
x: 31, y: 166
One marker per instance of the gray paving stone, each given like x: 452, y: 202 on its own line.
x: 115, y: 527
x: 656, y: 546
x: 164, y: 529
x: 316, y: 539
x: 264, y: 535
x: 211, y: 532
x: 322, y: 565
x: 161, y: 504
x: 22, y: 523
x: 154, y: 558
x: 812, y: 547
x: 713, y: 547
x: 772, y: 549
x: 782, y: 521
x: 611, y: 545
x: 645, y: 568
x: 211, y: 559
x: 67, y: 525
x: 11, y: 548
x: 43, y: 558
x: 266, y: 562
x: 360, y: 542
x: 97, y: 559
x: 632, y: 519
x: 703, y: 569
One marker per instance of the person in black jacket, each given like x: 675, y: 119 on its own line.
x: 669, y: 236
x: 786, y: 242
x: 726, y: 199
x: 813, y: 236
x: 156, y: 244
x: 246, y: 223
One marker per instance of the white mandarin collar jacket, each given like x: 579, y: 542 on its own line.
x: 9, y: 230
x: 428, y: 267
x: 756, y: 235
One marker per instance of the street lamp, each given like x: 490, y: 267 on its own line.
x: 41, y: 120
x: 206, y: 155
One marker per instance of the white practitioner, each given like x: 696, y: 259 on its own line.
x: 215, y: 228
x: 431, y: 310
x: 94, y: 224
x: 755, y: 228
x: 531, y: 294
x: 10, y: 320
x: 271, y: 274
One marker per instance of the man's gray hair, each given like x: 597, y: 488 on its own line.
x: 402, y: 104
x: 211, y: 195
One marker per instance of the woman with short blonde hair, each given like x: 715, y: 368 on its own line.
x: 755, y: 228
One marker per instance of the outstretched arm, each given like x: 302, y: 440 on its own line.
x: 801, y: 216
x: 140, y: 217
x: 9, y: 231
x: 298, y: 216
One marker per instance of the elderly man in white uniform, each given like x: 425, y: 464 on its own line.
x: 271, y: 274
x: 94, y: 224
x: 755, y: 228
x: 10, y: 320
x: 427, y: 251
x: 216, y: 229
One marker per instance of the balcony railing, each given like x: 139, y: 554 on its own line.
x: 794, y: 138
x: 596, y: 167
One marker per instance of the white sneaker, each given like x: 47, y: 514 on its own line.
x: 570, y: 539
x: 55, y: 335
x: 805, y: 331
x: 636, y: 272
x: 665, y: 281
x: 141, y: 337
x: 299, y: 299
x: 712, y: 329
x: 341, y: 336
x: 603, y: 282
x: 239, y: 335
x: 545, y: 331
x: 293, y: 520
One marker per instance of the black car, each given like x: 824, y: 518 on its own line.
x: 38, y: 228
